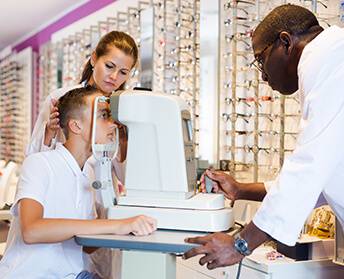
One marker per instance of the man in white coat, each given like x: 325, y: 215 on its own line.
x: 293, y: 52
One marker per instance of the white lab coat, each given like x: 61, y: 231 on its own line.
x: 317, y: 163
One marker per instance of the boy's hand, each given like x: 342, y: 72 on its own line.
x: 140, y: 225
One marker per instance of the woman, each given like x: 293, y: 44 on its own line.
x: 108, y: 68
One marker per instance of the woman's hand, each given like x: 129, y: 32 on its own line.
x: 123, y: 142
x: 53, y: 123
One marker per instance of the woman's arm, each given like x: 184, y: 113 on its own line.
x: 123, y: 143
x: 46, y: 125
x: 52, y: 125
x: 36, y: 229
x: 37, y: 137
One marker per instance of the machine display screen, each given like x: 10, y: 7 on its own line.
x: 187, y: 130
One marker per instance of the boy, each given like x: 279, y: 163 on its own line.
x: 54, y: 200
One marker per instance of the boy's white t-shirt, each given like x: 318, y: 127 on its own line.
x: 55, y: 180
x: 36, y: 144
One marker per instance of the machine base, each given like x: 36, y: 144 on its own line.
x: 201, y: 201
x: 179, y: 219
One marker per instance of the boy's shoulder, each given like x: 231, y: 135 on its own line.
x: 40, y: 158
x: 45, y: 165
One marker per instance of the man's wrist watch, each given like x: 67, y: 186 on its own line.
x: 241, y: 245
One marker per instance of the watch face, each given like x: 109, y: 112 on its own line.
x: 242, y: 246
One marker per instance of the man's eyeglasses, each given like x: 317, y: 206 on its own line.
x: 258, y: 62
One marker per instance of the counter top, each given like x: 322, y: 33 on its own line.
x: 165, y: 241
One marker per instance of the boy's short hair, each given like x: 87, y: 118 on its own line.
x: 72, y: 104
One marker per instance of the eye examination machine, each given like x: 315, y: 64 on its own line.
x: 160, y: 178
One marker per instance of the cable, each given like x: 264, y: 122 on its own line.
x: 239, y: 270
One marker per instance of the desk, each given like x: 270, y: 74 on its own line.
x: 154, y: 256
x: 257, y: 266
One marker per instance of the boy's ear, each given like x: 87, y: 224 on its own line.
x: 75, y: 126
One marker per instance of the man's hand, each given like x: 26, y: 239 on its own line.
x: 218, y: 250
x: 225, y: 184
x: 234, y: 190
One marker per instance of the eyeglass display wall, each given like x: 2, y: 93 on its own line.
x: 15, y: 105
x: 48, y: 71
x: 176, y: 55
x: 258, y: 126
